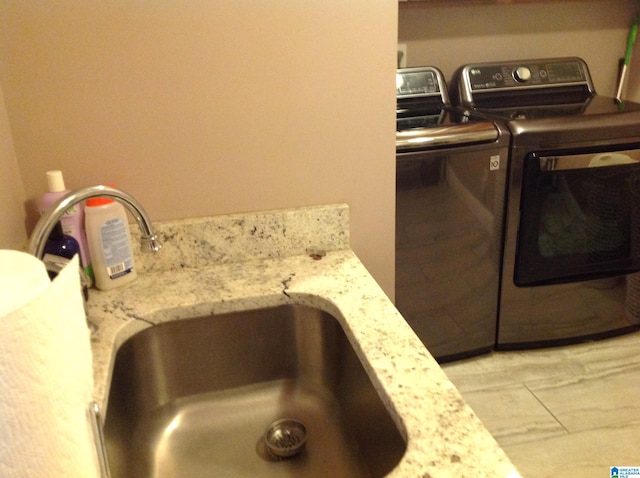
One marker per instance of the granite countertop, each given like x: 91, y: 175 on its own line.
x: 238, y: 262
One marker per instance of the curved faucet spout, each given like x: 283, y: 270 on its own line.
x: 148, y: 240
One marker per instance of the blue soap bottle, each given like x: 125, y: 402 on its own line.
x: 59, y: 250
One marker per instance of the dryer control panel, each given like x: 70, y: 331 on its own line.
x: 526, y: 74
x: 523, y: 82
x: 512, y: 75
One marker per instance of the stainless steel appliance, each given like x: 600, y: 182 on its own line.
x: 450, y: 179
x: 572, y: 243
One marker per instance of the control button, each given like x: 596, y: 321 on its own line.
x: 522, y: 74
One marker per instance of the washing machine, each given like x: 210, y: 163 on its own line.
x: 450, y: 187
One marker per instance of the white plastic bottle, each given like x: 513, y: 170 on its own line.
x: 73, y: 219
x: 109, y: 243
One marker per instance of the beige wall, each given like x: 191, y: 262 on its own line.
x: 204, y: 108
x: 448, y: 37
x: 12, y: 197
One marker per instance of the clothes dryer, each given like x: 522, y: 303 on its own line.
x: 572, y: 244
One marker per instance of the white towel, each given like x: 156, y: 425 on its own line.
x: 46, y: 377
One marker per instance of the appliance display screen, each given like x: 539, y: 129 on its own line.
x: 416, y: 83
x: 564, y: 72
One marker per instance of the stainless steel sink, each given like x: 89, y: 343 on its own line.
x: 194, y: 398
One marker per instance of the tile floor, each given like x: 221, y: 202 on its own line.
x: 567, y: 411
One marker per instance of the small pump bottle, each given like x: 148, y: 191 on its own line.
x: 72, y: 221
x: 109, y: 243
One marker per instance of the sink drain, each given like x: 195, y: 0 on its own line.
x: 285, y: 438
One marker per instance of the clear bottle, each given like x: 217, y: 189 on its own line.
x: 109, y: 243
x: 73, y: 219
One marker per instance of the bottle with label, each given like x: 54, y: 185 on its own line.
x: 73, y: 219
x: 109, y: 243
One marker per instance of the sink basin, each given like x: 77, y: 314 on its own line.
x: 197, y: 397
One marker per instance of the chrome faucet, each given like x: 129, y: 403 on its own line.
x: 148, y: 240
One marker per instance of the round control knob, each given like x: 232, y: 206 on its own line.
x: 522, y: 74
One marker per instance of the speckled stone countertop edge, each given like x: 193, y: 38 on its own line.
x: 200, y: 242
x: 444, y: 437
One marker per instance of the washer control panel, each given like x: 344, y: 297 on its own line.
x: 426, y: 81
x: 527, y: 74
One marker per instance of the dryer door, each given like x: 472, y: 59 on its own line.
x: 580, y: 216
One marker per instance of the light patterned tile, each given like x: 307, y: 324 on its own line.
x: 505, y: 368
x: 591, y: 391
x: 513, y: 415
x: 591, y: 401
x: 615, y: 354
x: 587, y: 454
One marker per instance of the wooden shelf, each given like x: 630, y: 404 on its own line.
x: 475, y: 2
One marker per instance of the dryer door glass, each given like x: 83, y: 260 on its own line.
x: 579, y: 217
